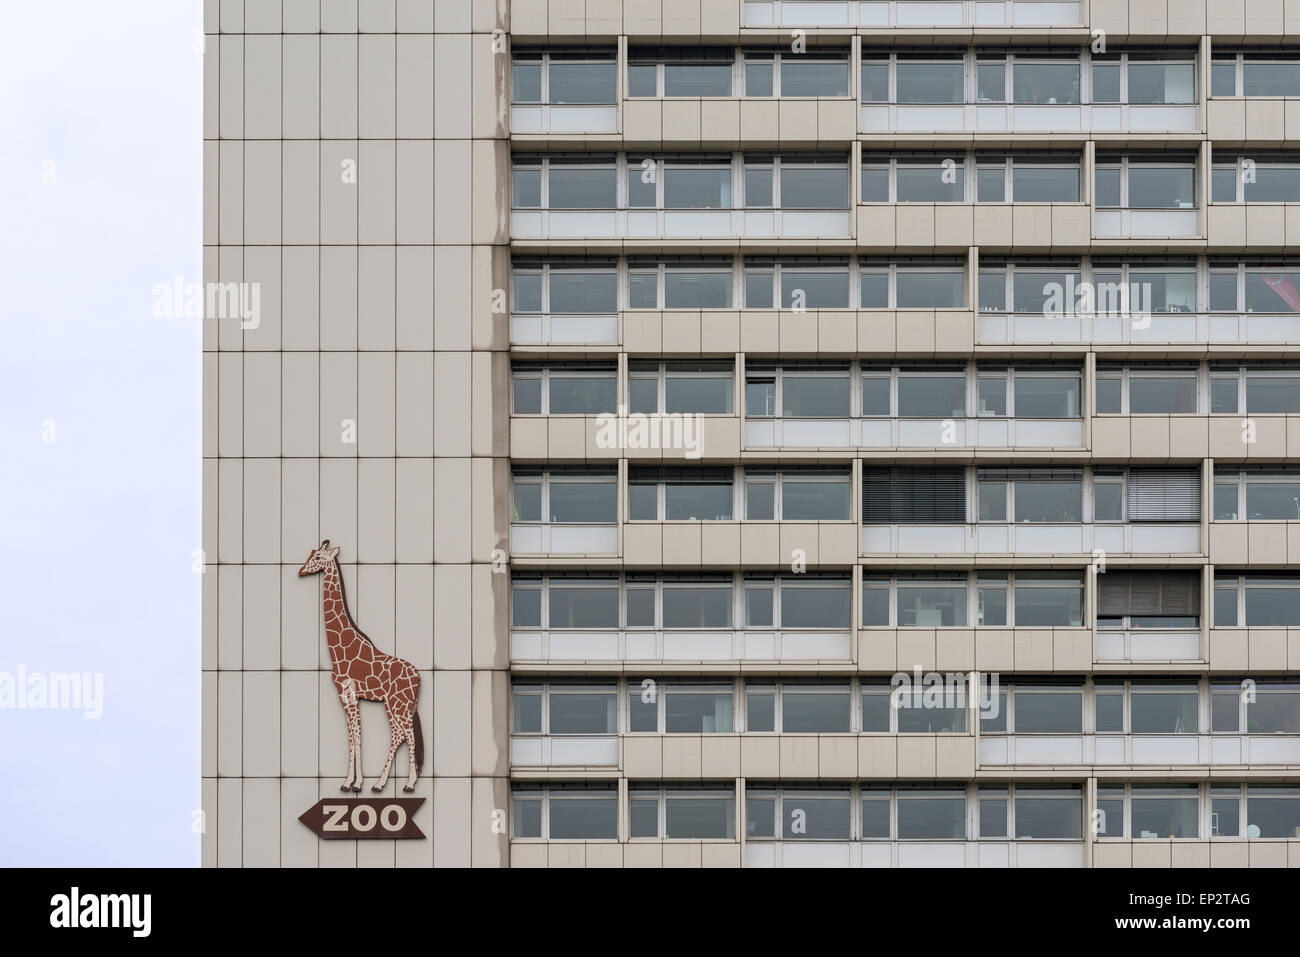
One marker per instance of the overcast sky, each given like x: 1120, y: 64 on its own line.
x: 100, y: 413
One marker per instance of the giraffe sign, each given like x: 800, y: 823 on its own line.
x: 364, y: 673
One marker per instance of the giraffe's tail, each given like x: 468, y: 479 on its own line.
x: 418, y: 754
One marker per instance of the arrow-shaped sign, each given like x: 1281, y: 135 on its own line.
x: 360, y: 819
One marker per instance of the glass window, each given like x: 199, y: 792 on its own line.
x: 875, y: 395
x: 991, y: 184
x: 642, y: 79
x: 990, y: 81
x: 929, y: 183
x: 814, y: 499
x: 642, y: 706
x: 930, y: 289
x: 929, y: 82
x: 697, y: 712
x: 1223, y: 189
x: 1041, y: 291
x: 578, y: 815
x: 1045, y: 184
x: 527, y: 394
x: 1162, y: 393
x: 932, y: 815
x: 815, y: 396
x: 993, y: 290
x: 1109, y: 709
x: 1161, y: 83
x: 931, y: 711
x: 695, y: 606
x: 574, y: 712
x: 820, y: 815
x: 528, y: 814
x: 1225, y: 499
x: 1225, y: 812
x: 1038, y: 82
x: 1157, y: 709
x: 992, y: 394
x: 697, y: 79
x: 932, y: 396
x: 760, y: 499
x: 803, y: 77
x: 931, y: 604
x: 1106, y: 82
x: 814, y: 187
x: 1108, y: 186
x: 1223, y: 393
x: 1110, y: 391
x: 1270, y: 79
x: 1161, y: 187
x: 992, y: 600
x: 815, y: 288
x: 1272, y: 290
x: 527, y: 186
x: 578, y: 187
x: 699, y: 389
x: 584, y: 502
x: 643, y: 814
x: 992, y: 501
x: 1225, y: 602
x: 1163, y: 812
x: 875, y: 82
x: 815, y: 711
x: 1108, y: 500
x: 1272, y: 393
x: 578, y: 82
x: 993, y: 812
x: 526, y: 607
x: 574, y: 292
x: 1047, y: 396
x: 697, y: 288
x: 691, y: 815
x: 1055, y: 813
x: 528, y: 711
x: 528, y: 502
x: 1275, y: 710
x: 875, y: 184
x: 1045, y: 599
x: 1049, y: 711
x: 875, y: 816
x: 875, y: 290
x: 1223, y: 78
x: 527, y: 79
x: 1273, y: 184
x: 583, y: 606
x: 578, y: 394
x: 760, y: 709
x: 697, y: 187
x: 1273, y: 812
x: 758, y: 78
x: 759, y: 284
x: 640, y: 606
x: 875, y: 604
x: 1272, y: 602
x: 1110, y: 805
x: 643, y: 501
x: 1270, y: 498
x: 814, y: 606
x: 760, y: 815
x: 876, y: 707
x: 1050, y: 501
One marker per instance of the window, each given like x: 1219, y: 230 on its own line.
x: 680, y: 494
x: 1161, y: 811
x: 1045, y: 81
x: 1149, y: 390
x: 1037, y: 288
x: 1047, y: 599
x: 1272, y: 811
x: 1149, y: 81
x: 698, y: 284
x: 931, y: 601
x: 929, y: 710
x: 1265, y: 602
x: 1030, y: 495
x: 804, y: 707
x: 1251, y: 74
x: 916, y: 288
x: 565, y: 813
x: 1148, y: 600
x: 816, y: 390
x: 778, y: 74
x: 564, y: 78
x: 1262, y: 179
x: 931, y: 814
x: 703, y: 387
x: 796, y: 284
x: 927, y: 80
x: 797, y: 602
x: 565, y: 288
x: 563, y: 388
x: 1145, y: 183
x: 913, y: 495
x: 922, y: 181
x: 697, y: 184
x: 1047, y: 812
x: 697, y: 72
x: 582, y: 497
x: 682, y: 811
x: 1163, y: 708
x: 1046, y: 709
x: 797, y: 495
x: 1269, y: 495
x: 808, y: 185
x: 564, y: 708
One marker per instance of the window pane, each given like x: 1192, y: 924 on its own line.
x: 528, y: 502
x: 816, y: 816
x: 932, y: 396
x: 931, y: 605
x: 1225, y: 501
x: 931, y: 818
x: 1223, y: 189
x: 1159, y: 394
x: 573, y: 82
x: 875, y: 711
x: 583, y: 292
x: 1275, y: 811
x: 1055, y: 605
x: 697, y: 289
x: 642, y: 182
x: 1223, y: 394
x: 760, y: 711
x: 993, y: 817
x: 816, y: 396
x: 990, y: 81
x: 697, y: 79
x: 1105, y: 82
x: 642, y: 707
x: 758, y: 188
x: 993, y: 291
x: 528, y: 292
x: 875, y: 606
x: 584, y: 502
x: 1272, y: 393
x: 582, y: 394
x: 993, y: 605
x: 699, y: 817
x: 929, y: 184
x: 1274, y: 184
x: 814, y: 500
x: 527, y: 189
x: 1031, y: 290
x: 643, y: 290
x: 992, y: 501
x: 1049, y: 712
x: 758, y: 289
x: 758, y: 78
x: 1049, y: 501
x: 526, y: 607
x: 1273, y: 712
x: 1225, y: 606
x: 587, y: 818
x: 576, y: 606
x: 1161, y: 187
x: 697, y: 393
x: 642, y: 79
x: 1270, y: 79
x: 760, y: 816
x: 875, y: 290
x: 697, y: 187
x: 760, y: 501
x: 758, y: 607
x: 807, y: 606
x: 643, y: 394
x: 875, y: 395
x: 527, y: 82
x: 696, y: 607
x: 1162, y: 712
x: 528, y: 713
x: 527, y: 395
x: 1276, y: 500
x: 1161, y: 83
x: 875, y: 82
x: 938, y: 289
x: 1108, y: 186
x: 574, y: 187
x: 875, y: 818
x: 1272, y: 290
x: 643, y: 817
x: 1108, y: 504
x: 1048, y: 817
x: 1223, y: 79
x: 584, y: 713
x: 1110, y: 712
x: 528, y: 817
x: 820, y: 290
x: 643, y: 501
x: 1225, y: 817
x: 640, y: 607
x: 991, y: 185
x: 818, y: 187
x: 1163, y: 816
x: 929, y: 82
x: 815, y: 712
x: 1110, y: 390
x: 1045, y: 184
x: 697, y: 713
x: 1111, y: 823
x: 1045, y: 82
x: 800, y: 77
x: 945, y: 713
x: 875, y: 184
x: 1047, y: 397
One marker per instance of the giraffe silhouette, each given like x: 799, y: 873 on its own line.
x: 362, y: 672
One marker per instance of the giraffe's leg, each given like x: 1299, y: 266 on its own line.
x: 352, y: 712
x: 408, y: 730
x: 395, y: 739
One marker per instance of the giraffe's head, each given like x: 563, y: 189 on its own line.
x: 319, y: 559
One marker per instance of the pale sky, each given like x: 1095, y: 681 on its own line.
x: 100, y: 524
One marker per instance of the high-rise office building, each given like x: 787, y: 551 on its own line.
x: 775, y: 432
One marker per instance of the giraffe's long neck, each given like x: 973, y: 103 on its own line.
x: 337, y: 618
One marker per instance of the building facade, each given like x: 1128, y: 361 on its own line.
x: 778, y: 432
